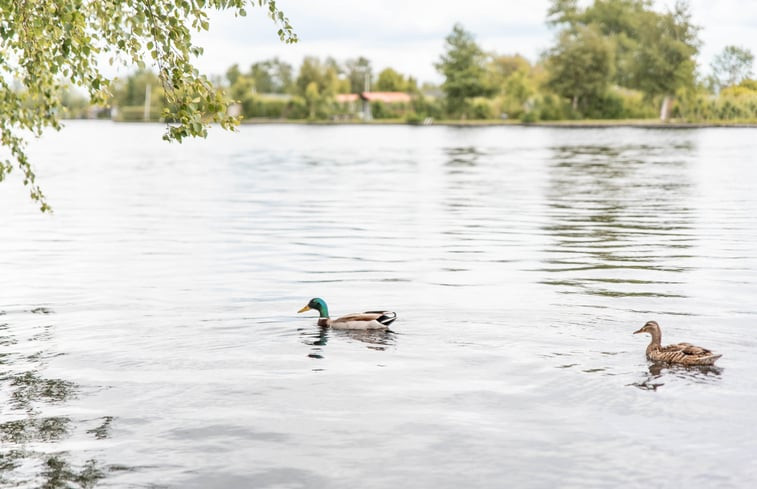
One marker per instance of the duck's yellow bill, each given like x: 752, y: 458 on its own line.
x: 306, y: 308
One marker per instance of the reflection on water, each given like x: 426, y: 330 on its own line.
x: 619, y: 219
x: 658, y: 372
x: 28, y: 388
x: 461, y: 157
x: 318, y: 338
x: 58, y: 473
x: 26, y: 432
x: 102, y: 431
x: 148, y: 340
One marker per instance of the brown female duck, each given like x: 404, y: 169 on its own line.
x: 681, y: 353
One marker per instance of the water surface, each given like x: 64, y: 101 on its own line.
x: 148, y: 335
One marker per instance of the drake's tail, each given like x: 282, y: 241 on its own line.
x: 386, y: 318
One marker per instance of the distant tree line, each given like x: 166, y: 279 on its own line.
x: 611, y: 59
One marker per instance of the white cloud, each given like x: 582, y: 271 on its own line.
x: 724, y: 22
x: 409, y: 35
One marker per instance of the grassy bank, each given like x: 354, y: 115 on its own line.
x: 583, y: 123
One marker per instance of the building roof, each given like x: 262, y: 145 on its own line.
x: 344, y: 98
x: 386, y: 97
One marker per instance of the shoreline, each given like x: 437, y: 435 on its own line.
x: 573, y: 124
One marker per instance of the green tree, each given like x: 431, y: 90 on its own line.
x: 561, y: 12
x: 233, y: 74
x: 325, y: 75
x: 282, y: 78
x: 463, y: 66
x: 665, y: 61
x: 131, y: 90
x: 45, y: 45
x: 261, y: 74
x: 581, y: 65
x: 411, y: 86
x: 312, y: 97
x: 390, y: 80
x: 272, y: 76
x: 519, y: 87
x: 620, y: 21
x: 311, y: 71
x: 333, y: 82
x: 242, y: 88
x: 617, y: 20
x: 501, y: 67
x: 129, y: 94
x: 75, y: 103
x: 359, y: 73
x: 653, y: 52
x: 732, y: 65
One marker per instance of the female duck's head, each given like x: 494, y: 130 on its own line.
x: 653, y: 329
x: 317, y: 304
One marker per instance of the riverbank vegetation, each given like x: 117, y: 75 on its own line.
x: 610, y: 60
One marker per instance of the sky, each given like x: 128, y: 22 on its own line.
x: 408, y: 35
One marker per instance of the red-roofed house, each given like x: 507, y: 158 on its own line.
x: 349, y: 101
x: 386, y: 97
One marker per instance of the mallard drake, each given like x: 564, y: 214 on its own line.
x: 681, y: 353
x: 364, y: 320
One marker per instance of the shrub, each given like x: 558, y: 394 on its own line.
x: 530, y: 116
x: 481, y: 108
x: 133, y: 113
x: 413, y: 118
x: 552, y: 108
x: 427, y: 107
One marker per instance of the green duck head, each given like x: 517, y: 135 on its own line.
x: 317, y: 304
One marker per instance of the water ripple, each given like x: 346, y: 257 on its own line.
x: 149, y: 335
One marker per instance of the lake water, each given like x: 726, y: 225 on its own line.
x: 149, y: 335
